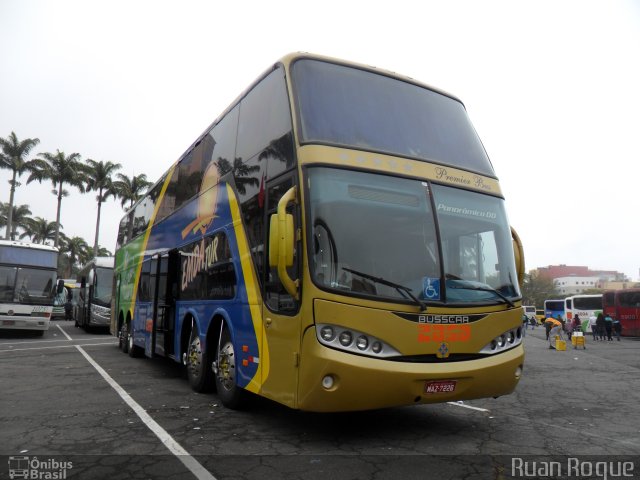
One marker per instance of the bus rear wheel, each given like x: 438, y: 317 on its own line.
x: 225, y: 372
x: 198, y: 368
x: 123, y: 338
x: 134, y: 350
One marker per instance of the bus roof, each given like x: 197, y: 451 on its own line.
x: 102, y: 262
x: 34, y: 246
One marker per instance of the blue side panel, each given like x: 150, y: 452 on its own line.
x: 191, y: 224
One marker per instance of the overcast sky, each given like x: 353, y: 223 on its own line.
x: 552, y: 87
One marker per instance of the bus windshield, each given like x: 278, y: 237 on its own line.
x: 27, y: 285
x: 376, y: 235
x: 347, y: 106
x: 104, y: 278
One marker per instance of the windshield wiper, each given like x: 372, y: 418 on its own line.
x: 397, y: 286
x: 469, y: 286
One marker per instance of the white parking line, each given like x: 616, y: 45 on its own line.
x: 34, y: 341
x: 11, y: 350
x: 64, y: 333
x: 460, y: 404
x: 174, y: 447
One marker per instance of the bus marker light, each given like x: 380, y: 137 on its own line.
x: 327, y: 382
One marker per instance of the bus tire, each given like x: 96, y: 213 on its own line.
x: 230, y: 394
x: 123, y: 338
x: 199, y: 370
x: 134, y: 350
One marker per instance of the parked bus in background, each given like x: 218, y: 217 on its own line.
x: 60, y: 299
x: 27, y: 285
x: 93, y: 308
x: 625, y: 306
x: 609, y: 302
x: 583, y: 305
x: 540, y: 316
x: 336, y: 240
x: 553, y: 308
x: 530, y: 312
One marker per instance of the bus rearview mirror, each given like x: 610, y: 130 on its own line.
x: 518, y: 253
x: 281, y: 240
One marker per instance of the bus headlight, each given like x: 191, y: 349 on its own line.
x: 345, y: 338
x: 327, y: 333
x: 353, y: 341
x: 504, y: 341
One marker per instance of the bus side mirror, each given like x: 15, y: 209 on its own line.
x: 281, y: 236
x: 59, y: 286
x: 518, y: 253
x: 282, y: 242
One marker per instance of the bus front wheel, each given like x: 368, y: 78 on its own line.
x: 225, y: 372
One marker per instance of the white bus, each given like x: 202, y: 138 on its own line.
x: 93, y: 307
x: 583, y: 305
x: 27, y: 285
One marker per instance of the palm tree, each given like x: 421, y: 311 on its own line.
x: 130, y: 189
x: 60, y: 169
x: 13, y: 157
x: 98, y: 178
x: 19, y: 215
x: 39, y: 230
x: 75, y: 251
x: 241, y: 172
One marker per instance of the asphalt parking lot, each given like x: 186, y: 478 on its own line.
x: 72, y: 399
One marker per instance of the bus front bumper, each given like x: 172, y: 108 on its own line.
x: 363, y: 383
x: 23, y: 323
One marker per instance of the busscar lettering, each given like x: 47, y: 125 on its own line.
x: 446, y: 319
x: 201, y: 258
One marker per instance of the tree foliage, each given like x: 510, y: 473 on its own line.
x: 536, y: 289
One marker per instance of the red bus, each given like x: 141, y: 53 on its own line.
x: 625, y: 306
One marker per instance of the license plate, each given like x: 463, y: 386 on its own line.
x: 8, y: 322
x: 440, y: 386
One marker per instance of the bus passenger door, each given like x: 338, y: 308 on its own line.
x: 281, y: 313
x: 164, y: 305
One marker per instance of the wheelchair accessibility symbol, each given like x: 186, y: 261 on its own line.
x: 431, y: 288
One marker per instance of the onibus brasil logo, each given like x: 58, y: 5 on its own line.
x: 33, y: 468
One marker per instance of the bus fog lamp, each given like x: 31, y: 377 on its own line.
x: 376, y: 347
x: 327, y: 382
x: 512, y: 337
x: 327, y: 333
x: 346, y: 338
x: 502, y: 340
x: 362, y: 342
x: 494, y: 344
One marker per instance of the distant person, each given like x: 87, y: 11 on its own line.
x: 525, y: 320
x: 608, y: 327
x: 556, y: 331
x: 547, y: 327
x: 617, y: 328
x: 600, y: 326
x: 577, y: 324
x: 593, y: 327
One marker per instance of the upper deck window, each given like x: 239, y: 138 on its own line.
x: 347, y: 106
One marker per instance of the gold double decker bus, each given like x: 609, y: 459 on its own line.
x: 336, y: 240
